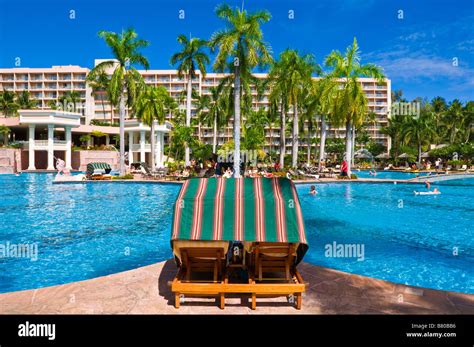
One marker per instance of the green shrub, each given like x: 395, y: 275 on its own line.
x: 124, y: 177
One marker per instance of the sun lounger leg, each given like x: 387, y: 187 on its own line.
x: 222, y: 303
x: 298, y: 301
x: 254, y: 301
x: 176, y: 300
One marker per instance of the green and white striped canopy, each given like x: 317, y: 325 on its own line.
x: 238, y: 209
x: 97, y: 166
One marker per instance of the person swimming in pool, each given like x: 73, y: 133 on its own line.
x: 312, y: 190
x: 427, y: 185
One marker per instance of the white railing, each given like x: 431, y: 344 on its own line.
x: 147, y: 147
x: 43, y: 143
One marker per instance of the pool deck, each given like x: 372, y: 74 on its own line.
x: 145, y: 291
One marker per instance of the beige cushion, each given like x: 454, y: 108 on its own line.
x: 178, y: 244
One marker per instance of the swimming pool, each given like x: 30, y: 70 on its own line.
x: 393, y: 175
x: 90, y: 230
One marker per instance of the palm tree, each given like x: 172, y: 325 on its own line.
x: 4, y: 130
x: 24, y: 102
x: 453, y: 120
x: 298, y: 79
x: 272, y: 118
x: 438, y: 108
x: 100, y: 84
x: 279, y: 101
x: 189, y: 58
x: 126, y: 81
x: 468, y: 120
x: 325, y: 93
x: 372, y: 118
x: 69, y: 100
x: 394, y: 130
x: 418, y: 130
x: 150, y: 107
x: 240, y: 44
x: 8, y: 105
x: 350, y: 106
x: 212, y: 112
x: 291, y: 76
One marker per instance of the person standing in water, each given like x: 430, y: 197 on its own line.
x: 312, y: 190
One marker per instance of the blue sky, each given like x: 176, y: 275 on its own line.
x: 416, y: 52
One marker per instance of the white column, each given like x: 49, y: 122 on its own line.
x: 130, y: 145
x: 142, y: 145
x: 67, y: 130
x: 50, y: 147
x: 31, y: 147
x: 158, y: 152
x: 162, y: 145
x: 107, y: 140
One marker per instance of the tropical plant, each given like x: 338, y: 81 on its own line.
x: 453, y: 121
x: 418, y: 130
x: 296, y: 72
x: 240, y: 48
x: 69, y: 100
x: 212, y: 112
x: 8, y: 105
x: 126, y: 81
x: 350, y: 105
x: 24, y: 101
x: 100, y: 85
x: 150, y: 107
x: 4, y: 130
x: 191, y: 56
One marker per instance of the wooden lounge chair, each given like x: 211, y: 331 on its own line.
x: 308, y: 175
x: 275, y: 263
x: 207, y: 260
x: 148, y: 172
x: 273, y: 259
x: 200, y: 265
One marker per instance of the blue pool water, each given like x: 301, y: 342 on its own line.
x: 89, y: 230
x: 393, y: 175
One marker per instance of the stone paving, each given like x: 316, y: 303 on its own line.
x: 145, y: 291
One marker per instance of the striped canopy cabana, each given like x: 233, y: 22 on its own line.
x: 239, y: 209
x: 97, y: 166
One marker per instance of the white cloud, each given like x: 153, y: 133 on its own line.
x: 413, y: 37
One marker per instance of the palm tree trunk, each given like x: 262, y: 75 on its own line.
x: 419, y: 152
x: 214, y: 140
x: 282, y: 136
x: 188, y: 119
x: 122, y: 132
x: 152, y: 144
x: 308, y: 150
x: 170, y: 138
x: 322, y: 142
x: 237, y: 122
x: 271, y: 138
x: 348, y: 146
x: 103, y: 107
x: 294, y: 161
x: 111, y: 112
x: 353, y: 145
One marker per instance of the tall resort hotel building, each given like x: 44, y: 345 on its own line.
x: 48, y: 85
